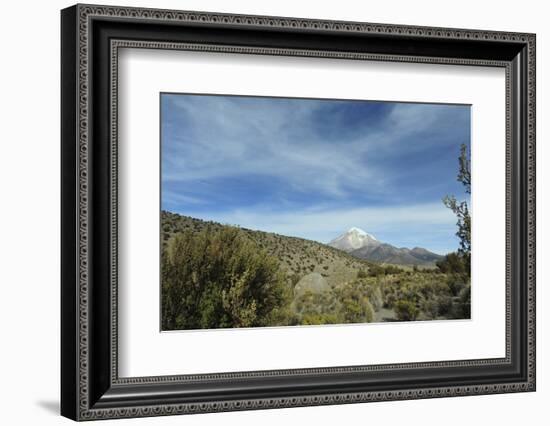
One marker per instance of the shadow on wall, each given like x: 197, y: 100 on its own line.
x: 50, y: 406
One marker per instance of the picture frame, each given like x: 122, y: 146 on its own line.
x: 91, y: 37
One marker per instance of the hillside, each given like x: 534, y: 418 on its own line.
x: 298, y: 257
x: 319, y: 285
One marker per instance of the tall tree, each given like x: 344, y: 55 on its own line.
x: 460, y: 208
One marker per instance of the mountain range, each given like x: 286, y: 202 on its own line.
x: 337, y: 261
x: 365, y: 246
x: 298, y: 257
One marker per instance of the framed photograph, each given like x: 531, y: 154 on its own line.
x: 263, y: 212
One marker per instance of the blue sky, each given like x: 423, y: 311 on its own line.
x: 314, y: 168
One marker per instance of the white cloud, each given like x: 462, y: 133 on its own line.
x: 280, y: 140
x: 172, y: 197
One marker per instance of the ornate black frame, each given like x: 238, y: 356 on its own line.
x: 91, y: 37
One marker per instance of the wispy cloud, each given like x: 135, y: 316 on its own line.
x: 242, y: 158
x: 178, y: 198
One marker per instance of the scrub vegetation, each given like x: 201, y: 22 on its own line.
x: 222, y: 276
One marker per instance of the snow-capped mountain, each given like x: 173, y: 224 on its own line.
x: 353, y: 239
x: 363, y: 245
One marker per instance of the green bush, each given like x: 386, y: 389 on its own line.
x: 430, y: 308
x: 220, y: 278
x: 314, y: 303
x: 319, y: 319
x: 376, y: 270
x: 453, y: 263
x: 445, y: 305
x: 406, y: 310
x: 348, y: 303
x: 375, y: 296
x: 462, y: 307
x: 361, y: 274
x: 354, y: 303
